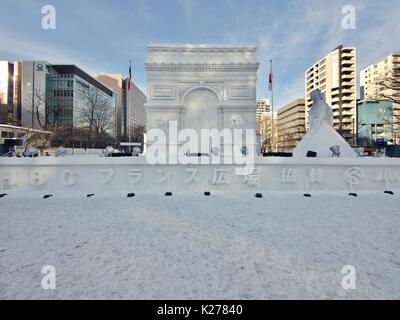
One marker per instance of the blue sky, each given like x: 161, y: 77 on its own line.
x: 101, y: 36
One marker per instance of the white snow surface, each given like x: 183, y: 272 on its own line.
x: 227, y: 246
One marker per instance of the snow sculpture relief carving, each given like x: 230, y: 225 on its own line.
x: 314, y: 175
x: 236, y: 122
x: 372, y: 175
x: 252, y: 179
x: 66, y: 178
x: 386, y: 176
x: 135, y: 175
x: 108, y: 175
x: 353, y: 176
x: 219, y: 177
x: 193, y: 176
x: 288, y: 175
x: 321, y: 135
x: 38, y: 178
x: 8, y: 180
x: 164, y: 176
x: 163, y: 125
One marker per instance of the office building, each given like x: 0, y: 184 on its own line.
x: 130, y: 105
x: 10, y: 92
x: 136, y: 114
x: 33, y: 94
x: 82, y: 106
x: 335, y: 76
x: 38, y: 95
x: 291, y: 124
x: 375, y: 122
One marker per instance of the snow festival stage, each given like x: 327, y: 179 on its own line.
x: 228, y: 245
x: 102, y: 174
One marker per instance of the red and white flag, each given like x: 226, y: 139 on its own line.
x: 270, y: 79
x: 130, y: 75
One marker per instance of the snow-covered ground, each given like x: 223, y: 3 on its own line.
x: 227, y: 246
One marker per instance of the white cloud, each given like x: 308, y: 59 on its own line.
x: 308, y: 30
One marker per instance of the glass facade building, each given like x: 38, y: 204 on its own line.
x: 10, y: 92
x: 375, y: 121
x: 69, y: 94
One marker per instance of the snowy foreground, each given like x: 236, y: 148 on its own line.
x: 227, y: 246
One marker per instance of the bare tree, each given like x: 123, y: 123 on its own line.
x: 103, y: 125
x: 388, y: 88
x: 268, y: 131
x: 47, y: 120
x: 137, y: 134
x: 288, y: 138
x: 96, y: 117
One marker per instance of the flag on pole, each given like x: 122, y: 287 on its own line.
x: 130, y: 75
x: 270, y: 79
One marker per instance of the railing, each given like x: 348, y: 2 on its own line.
x: 6, y: 154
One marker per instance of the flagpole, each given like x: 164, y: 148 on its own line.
x: 127, y: 116
x: 272, y: 107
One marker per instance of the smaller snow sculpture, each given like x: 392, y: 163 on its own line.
x: 321, y: 136
x: 320, y: 112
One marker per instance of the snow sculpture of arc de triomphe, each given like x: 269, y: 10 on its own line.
x: 202, y: 86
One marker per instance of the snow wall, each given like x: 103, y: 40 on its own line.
x: 91, y: 174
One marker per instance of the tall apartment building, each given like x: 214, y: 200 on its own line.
x: 387, y: 67
x: 370, y: 75
x: 291, y: 124
x: 335, y: 76
x: 263, y: 110
x: 266, y: 125
x: 130, y: 105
